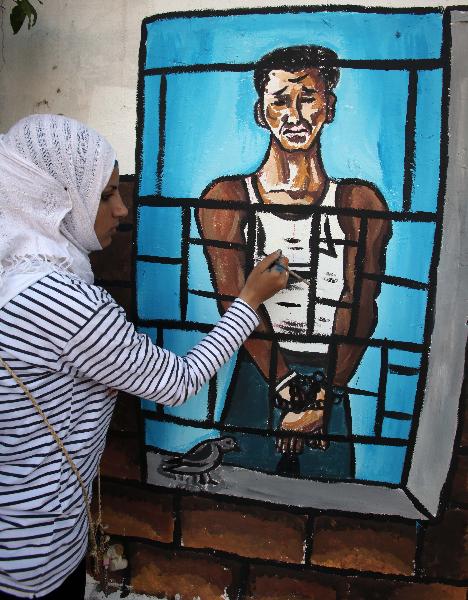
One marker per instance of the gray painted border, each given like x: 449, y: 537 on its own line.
x: 237, y: 482
x: 439, y: 416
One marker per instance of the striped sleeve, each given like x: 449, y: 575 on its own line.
x: 110, y: 351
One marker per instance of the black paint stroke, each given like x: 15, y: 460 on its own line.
x: 184, y: 253
x: 410, y: 130
x: 379, y: 417
x: 302, y: 210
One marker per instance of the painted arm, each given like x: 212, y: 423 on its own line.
x: 361, y: 289
x: 228, y: 265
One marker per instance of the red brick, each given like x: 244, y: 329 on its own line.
x: 131, y: 511
x: 126, y: 189
x: 375, y: 589
x: 165, y: 573
x: 370, y: 589
x: 125, y: 417
x: 115, y: 261
x: 364, y: 544
x: 464, y: 426
x: 244, y: 530
x: 445, y: 550
x: 459, y: 492
x: 277, y: 583
x: 432, y: 591
x: 123, y: 296
x: 464, y: 435
x: 121, y: 457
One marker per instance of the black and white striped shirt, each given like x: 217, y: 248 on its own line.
x: 72, y: 346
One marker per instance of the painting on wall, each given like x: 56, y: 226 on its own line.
x: 317, y: 131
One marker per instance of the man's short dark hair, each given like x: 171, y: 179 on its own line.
x: 297, y: 58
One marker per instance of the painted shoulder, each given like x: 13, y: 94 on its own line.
x: 226, y: 189
x: 359, y: 194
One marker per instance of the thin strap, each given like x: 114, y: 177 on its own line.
x: 330, y: 196
x: 92, y: 526
x: 251, y: 190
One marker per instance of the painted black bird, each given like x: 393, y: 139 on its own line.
x: 198, y: 462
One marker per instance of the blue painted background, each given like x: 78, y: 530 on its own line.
x: 210, y: 132
x: 245, y: 38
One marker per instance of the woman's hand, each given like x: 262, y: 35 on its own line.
x: 265, y: 280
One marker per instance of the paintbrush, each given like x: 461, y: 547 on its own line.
x: 290, y: 271
x: 296, y: 276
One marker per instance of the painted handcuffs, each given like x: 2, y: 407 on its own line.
x: 303, y: 390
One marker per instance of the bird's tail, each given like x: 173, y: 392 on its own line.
x: 170, y: 463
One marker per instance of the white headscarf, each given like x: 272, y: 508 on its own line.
x: 52, y: 173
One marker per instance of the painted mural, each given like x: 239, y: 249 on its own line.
x: 317, y: 131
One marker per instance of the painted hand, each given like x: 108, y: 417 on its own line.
x: 308, y: 421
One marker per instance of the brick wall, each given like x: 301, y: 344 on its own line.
x: 201, y: 547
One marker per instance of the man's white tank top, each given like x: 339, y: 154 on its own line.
x: 289, y: 308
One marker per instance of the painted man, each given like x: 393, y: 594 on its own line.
x: 340, y: 254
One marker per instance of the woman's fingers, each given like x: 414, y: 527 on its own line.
x: 290, y: 445
x: 263, y: 282
x: 319, y: 443
x: 299, y: 446
x: 269, y: 261
x: 295, y: 444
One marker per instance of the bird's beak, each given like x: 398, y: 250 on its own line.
x: 236, y: 447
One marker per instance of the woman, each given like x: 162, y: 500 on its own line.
x: 70, y: 344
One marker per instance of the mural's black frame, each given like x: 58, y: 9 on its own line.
x: 156, y: 200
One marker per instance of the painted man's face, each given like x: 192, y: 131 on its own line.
x: 295, y: 107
